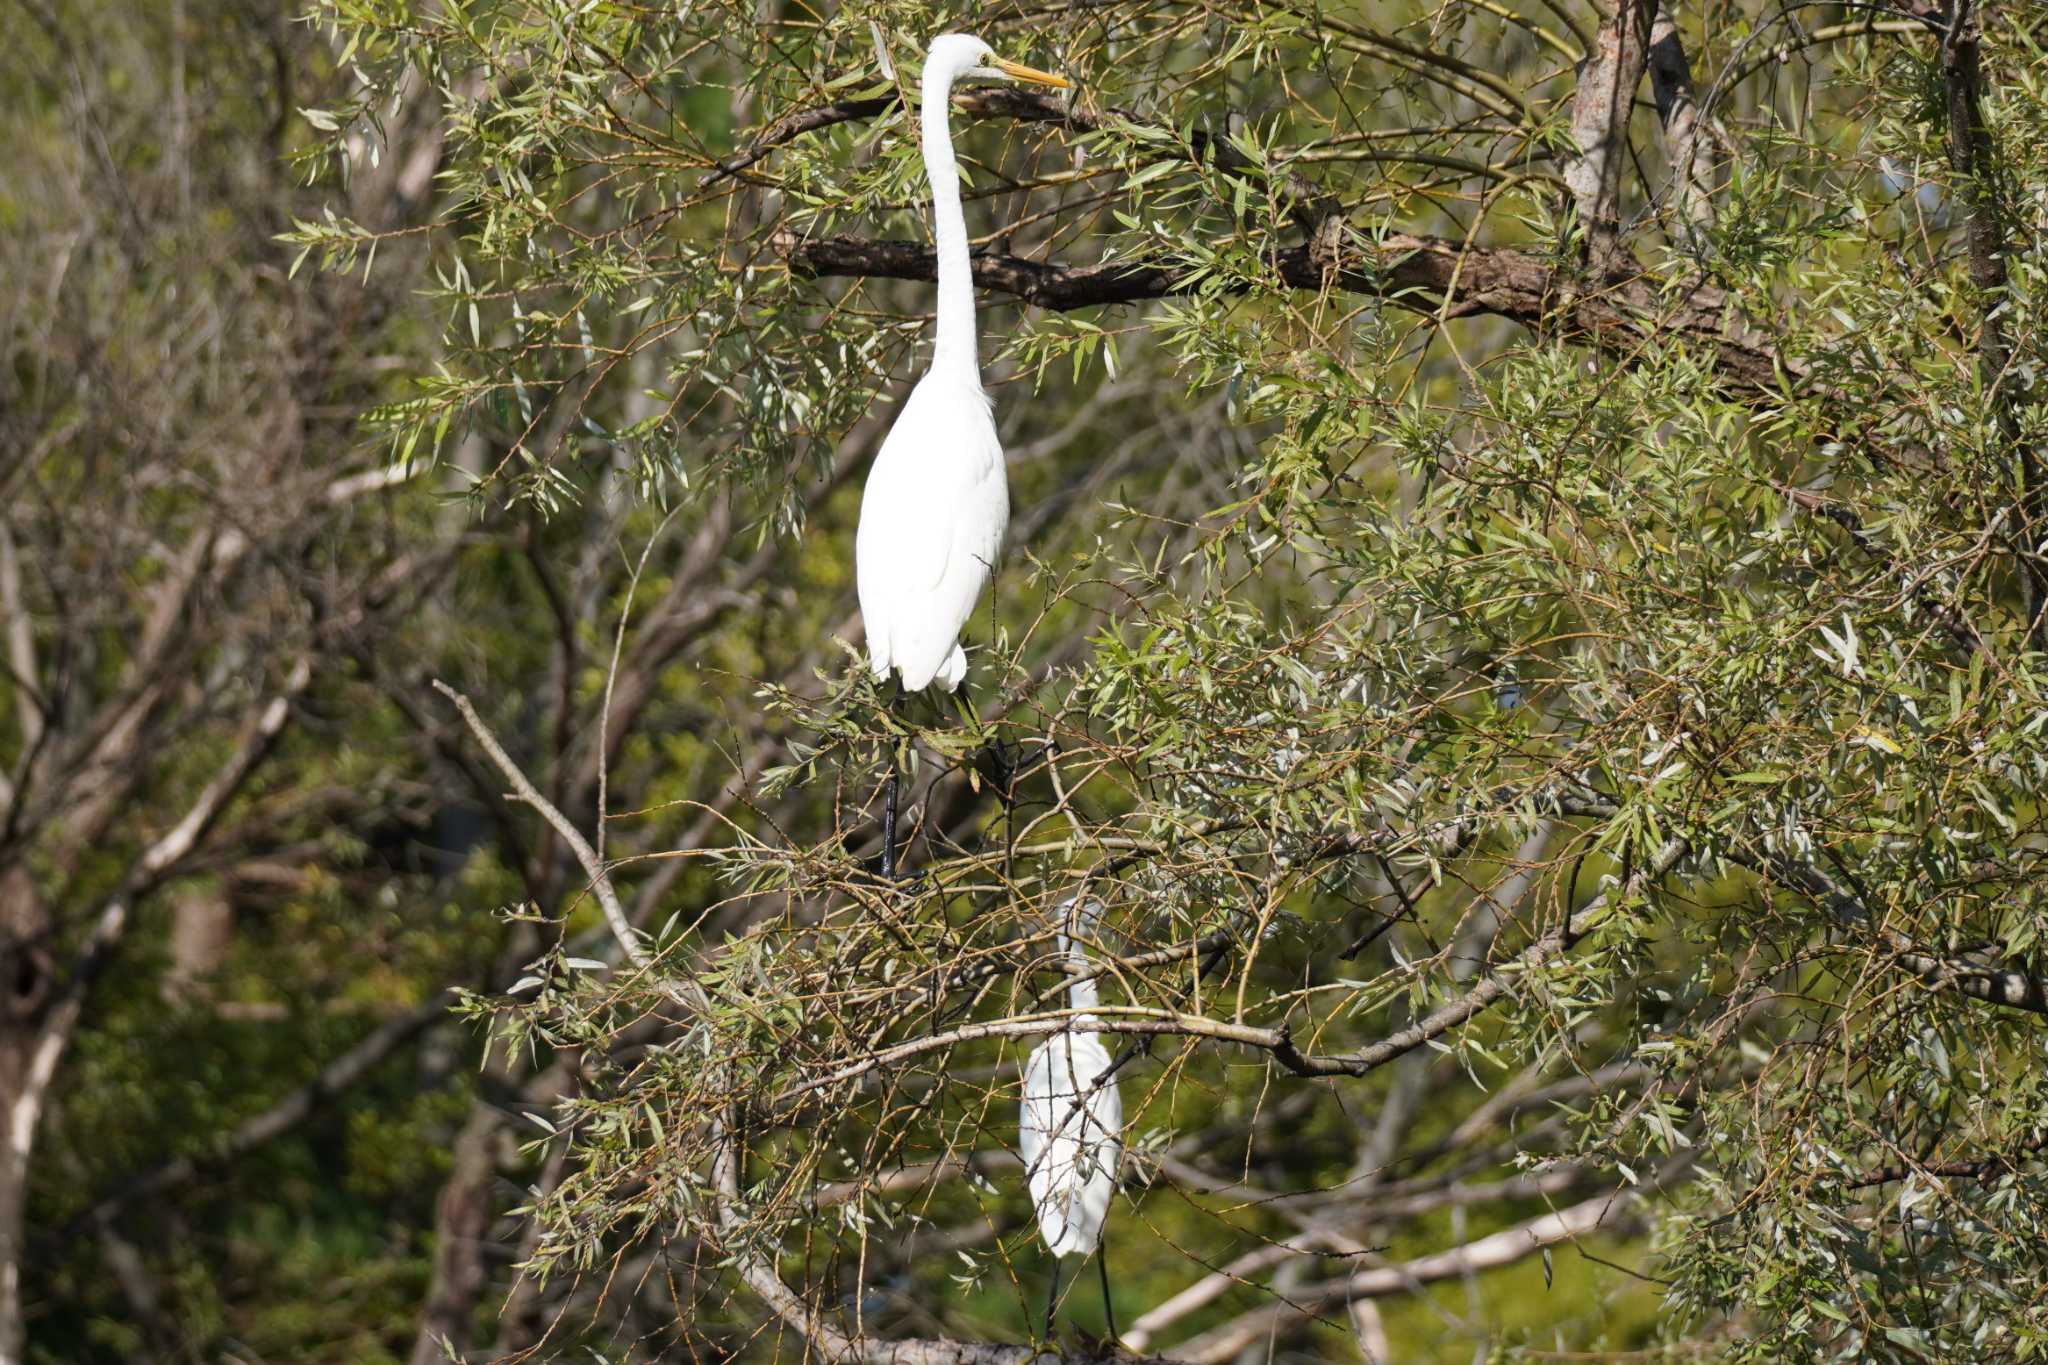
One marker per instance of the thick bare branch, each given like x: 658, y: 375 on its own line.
x: 1222, y: 1343
x: 1428, y: 275
x: 1600, y: 113
x: 1684, y: 129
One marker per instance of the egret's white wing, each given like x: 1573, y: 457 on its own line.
x: 1068, y: 1136
x: 1034, y: 1118
x: 931, y: 525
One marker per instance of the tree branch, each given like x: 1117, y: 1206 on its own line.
x: 1309, y: 202
x: 1278, y: 1041
x: 1221, y: 1344
x: 157, y: 862
x: 2015, y: 987
x: 1600, y: 113
x: 1415, y: 273
x: 1679, y: 118
x: 1999, y: 984
x: 628, y: 938
x: 1958, y: 1170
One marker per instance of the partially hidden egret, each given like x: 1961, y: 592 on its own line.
x: 1068, y: 1131
x: 938, y: 498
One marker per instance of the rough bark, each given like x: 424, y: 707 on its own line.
x: 1973, y: 156
x: 24, y: 989
x: 1600, y: 113
x: 1425, y: 274
x: 1683, y: 129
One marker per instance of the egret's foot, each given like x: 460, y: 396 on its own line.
x: 1003, y: 764
x: 899, y: 878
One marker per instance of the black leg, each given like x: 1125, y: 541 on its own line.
x: 1102, y: 1268
x: 1052, y: 1297
x: 889, y: 799
x: 889, y: 823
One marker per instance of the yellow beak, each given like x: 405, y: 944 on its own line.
x: 1020, y: 72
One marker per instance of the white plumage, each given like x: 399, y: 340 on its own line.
x: 931, y: 526
x: 938, y: 498
x: 1069, y: 1129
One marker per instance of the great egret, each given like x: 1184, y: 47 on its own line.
x: 1068, y: 1127
x: 938, y: 498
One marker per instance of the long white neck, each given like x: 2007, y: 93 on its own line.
x: 955, y: 346
x: 1081, y: 995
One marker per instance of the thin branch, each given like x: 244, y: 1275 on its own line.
x: 1996, y: 983
x: 828, y: 1339
x: 1980, y: 1169
x: 1278, y: 1041
x: 157, y: 862
x: 1309, y: 202
x: 684, y: 992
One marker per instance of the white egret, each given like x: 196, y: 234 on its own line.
x: 938, y: 498
x: 1069, y: 1126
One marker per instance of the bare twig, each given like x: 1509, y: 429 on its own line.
x: 628, y: 938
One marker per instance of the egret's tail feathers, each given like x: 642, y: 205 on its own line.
x: 946, y: 670
x: 954, y: 670
x: 1070, y: 1220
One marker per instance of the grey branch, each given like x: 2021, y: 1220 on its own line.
x: 1505, y: 1247
x: 1679, y: 118
x: 684, y: 992
x: 1428, y: 275
x: 1600, y: 111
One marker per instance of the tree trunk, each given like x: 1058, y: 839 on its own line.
x: 462, y: 1221
x: 20, y: 1128
x: 24, y: 987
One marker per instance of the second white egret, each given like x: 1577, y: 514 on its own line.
x: 1069, y: 1131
